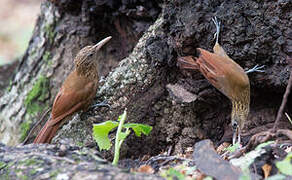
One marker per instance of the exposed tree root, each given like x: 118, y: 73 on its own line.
x: 261, y: 137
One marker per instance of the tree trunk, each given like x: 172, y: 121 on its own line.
x: 62, y: 29
x: 181, y: 107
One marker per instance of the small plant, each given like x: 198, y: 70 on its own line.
x: 172, y: 173
x: 101, y: 131
x: 180, y: 172
x: 232, y: 148
x: 285, y: 166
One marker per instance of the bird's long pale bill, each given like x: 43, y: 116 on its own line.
x: 101, y: 43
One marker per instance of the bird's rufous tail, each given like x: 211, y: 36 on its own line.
x: 47, y: 133
x: 187, y: 62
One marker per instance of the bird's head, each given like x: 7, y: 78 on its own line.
x: 86, y: 59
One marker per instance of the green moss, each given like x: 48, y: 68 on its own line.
x: 6, y: 175
x: 79, y: 143
x: 33, y: 52
x: 29, y: 162
x: 47, y: 58
x: 2, y: 165
x: 54, y: 174
x: 24, y: 129
x: 76, y: 158
x: 32, y: 171
x: 20, y: 174
x: 5, y: 172
x: 23, y: 177
x: 50, y: 34
x: 9, y: 86
x: 37, y: 94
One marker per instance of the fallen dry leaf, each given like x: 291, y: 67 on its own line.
x: 220, y: 149
x: 145, y: 157
x: 189, y: 152
x: 267, y: 170
x: 288, y: 149
x: 145, y: 169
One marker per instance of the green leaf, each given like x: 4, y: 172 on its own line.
x: 123, y: 135
x: 232, y: 148
x: 277, y: 177
x: 285, y: 165
x: 245, y: 174
x: 208, y: 178
x: 139, y: 128
x: 174, y: 173
x: 100, y: 134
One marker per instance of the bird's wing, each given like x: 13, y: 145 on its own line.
x: 221, y: 71
x: 68, y: 102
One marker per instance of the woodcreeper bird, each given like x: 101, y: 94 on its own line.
x: 76, y: 93
x: 227, y: 76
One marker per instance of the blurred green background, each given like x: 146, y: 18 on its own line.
x: 17, y: 19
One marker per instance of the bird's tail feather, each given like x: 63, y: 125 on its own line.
x: 187, y: 62
x: 46, y: 134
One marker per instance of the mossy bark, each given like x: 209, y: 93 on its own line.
x: 60, y: 162
x: 60, y: 32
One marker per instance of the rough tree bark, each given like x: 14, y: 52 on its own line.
x: 147, y: 81
x: 61, y: 30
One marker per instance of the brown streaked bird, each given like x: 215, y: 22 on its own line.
x: 76, y: 93
x: 227, y: 76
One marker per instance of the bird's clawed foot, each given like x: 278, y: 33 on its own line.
x: 256, y: 68
x: 217, y: 24
x: 102, y: 104
x: 236, y: 133
x: 236, y: 139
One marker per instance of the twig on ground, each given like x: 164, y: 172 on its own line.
x: 259, y: 138
x: 285, y: 132
x: 34, y: 127
x: 165, y: 159
x: 262, y: 128
x: 285, y: 96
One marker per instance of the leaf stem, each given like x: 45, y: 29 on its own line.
x: 118, y: 138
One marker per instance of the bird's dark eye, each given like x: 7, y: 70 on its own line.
x: 90, y: 55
